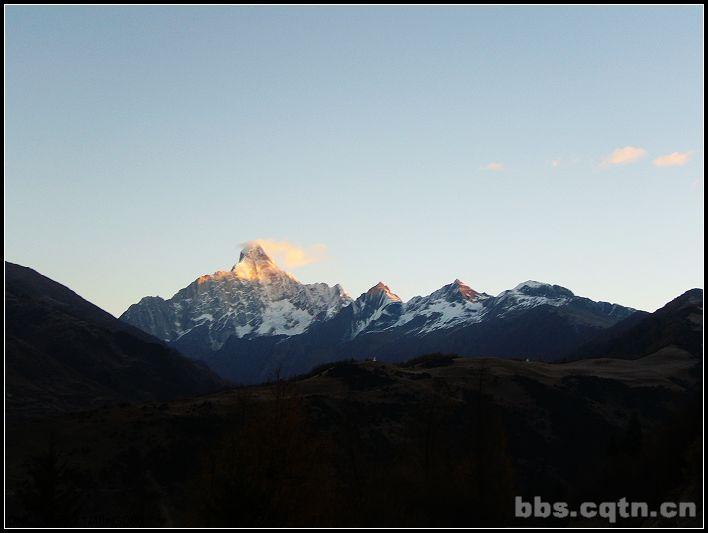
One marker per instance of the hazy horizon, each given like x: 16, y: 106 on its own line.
x: 412, y: 146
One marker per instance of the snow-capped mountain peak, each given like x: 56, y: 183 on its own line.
x: 455, y: 291
x: 255, y: 298
x: 531, y: 294
x: 254, y: 252
x: 377, y: 305
x: 449, y: 306
x: 255, y: 264
x: 537, y: 288
x: 530, y: 284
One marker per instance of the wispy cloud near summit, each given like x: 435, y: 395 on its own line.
x: 289, y: 255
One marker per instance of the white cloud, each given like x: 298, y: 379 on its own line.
x: 494, y: 166
x: 289, y: 255
x: 674, y: 159
x: 625, y: 156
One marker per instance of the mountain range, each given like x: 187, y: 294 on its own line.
x: 255, y: 321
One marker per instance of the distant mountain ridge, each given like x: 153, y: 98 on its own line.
x: 256, y: 319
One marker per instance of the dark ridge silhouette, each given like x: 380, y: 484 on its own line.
x: 63, y: 353
x: 679, y: 323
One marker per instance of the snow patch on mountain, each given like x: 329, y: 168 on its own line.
x: 531, y: 294
x: 379, y: 309
x: 441, y: 314
x: 448, y: 307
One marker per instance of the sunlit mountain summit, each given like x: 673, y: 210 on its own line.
x: 254, y: 298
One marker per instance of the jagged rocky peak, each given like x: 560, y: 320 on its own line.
x: 252, y: 251
x: 457, y: 291
x: 458, y: 287
x: 254, y: 264
x: 381, y: 290
x: 254, y: 298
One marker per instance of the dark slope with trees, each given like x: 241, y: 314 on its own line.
x: 438, y: 441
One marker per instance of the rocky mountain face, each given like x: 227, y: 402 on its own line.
x: 255, y: 298
x: 256, y: 321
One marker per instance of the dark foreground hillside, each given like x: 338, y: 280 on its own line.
x: 678, y: 323
x: 62, y: 353
x: 433, y: 442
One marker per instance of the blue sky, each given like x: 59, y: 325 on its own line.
x: 408, y: 145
